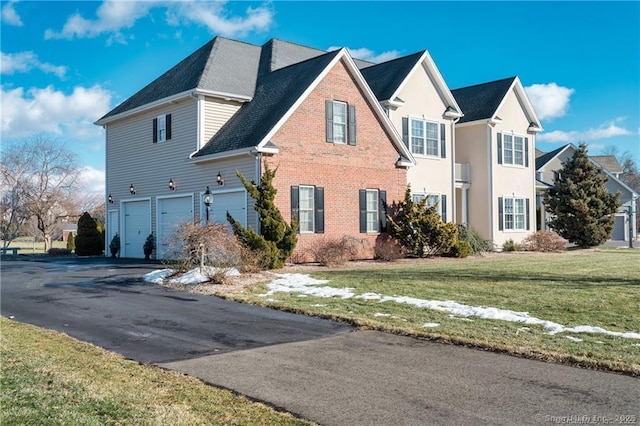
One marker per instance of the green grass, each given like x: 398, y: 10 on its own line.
x: 50, y: 378
x: 592, y: 287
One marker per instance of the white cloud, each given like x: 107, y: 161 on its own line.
x: 114, y: 16
x: 369, y: 55
x: 50, y: 111
x: 549, y: 100
x: 91, y: 180
x: 214, y: 17
x: 10, y: 16
x: 604, y: 131
x: 26, y: 61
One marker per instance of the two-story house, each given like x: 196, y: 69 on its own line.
x: 548, y: 168
x: 232, y: 106
x: 496, y: 139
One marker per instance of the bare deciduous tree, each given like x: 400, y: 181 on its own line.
x: 43, y: 171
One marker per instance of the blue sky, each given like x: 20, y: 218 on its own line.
x: 65, y: 64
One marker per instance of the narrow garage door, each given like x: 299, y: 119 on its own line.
x: 233, y: 202
x: 171, y: 213
x: 619, y: 228
x: 136, y: 226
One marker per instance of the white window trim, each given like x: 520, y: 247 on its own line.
x: 345, y: 124
x: 424, y: 133
x: 513, y: 150
x: 313, y: 211
x: 161, y: 130
x: 513, y: 198
x: 429, y: 194
x: 377, y: 210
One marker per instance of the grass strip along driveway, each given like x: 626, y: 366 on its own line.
x: 599, y: 289
x: 50, y: 378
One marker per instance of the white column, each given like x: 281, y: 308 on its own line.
x: 465, y: 215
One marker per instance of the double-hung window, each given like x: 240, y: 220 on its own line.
x: 162, y: 128
x: 424, y: 138
x: 340, y: 120
x: 514, y: 214
x: 372, y: 210
x: 307, y: 207
x: 513, y: 150
x: 439, y: 201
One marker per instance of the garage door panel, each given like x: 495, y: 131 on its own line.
x: 136, y: 226
x: 172, y: 212
x: 233, y: 202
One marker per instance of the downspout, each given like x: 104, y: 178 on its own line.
x: 258, y: 175
x: 200, y: 120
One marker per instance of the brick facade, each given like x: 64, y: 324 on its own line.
x: 305, y: 158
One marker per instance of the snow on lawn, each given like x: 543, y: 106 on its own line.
x: 304, y: 284
x: 193, y: 276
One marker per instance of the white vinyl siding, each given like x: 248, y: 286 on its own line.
x: 216, y: 113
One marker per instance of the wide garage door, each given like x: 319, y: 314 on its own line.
x: 136, y: 226
x: 233, y: 202
x: 171, y: 213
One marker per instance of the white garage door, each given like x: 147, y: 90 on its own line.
x: 136, y: 226
x: 171, y: 213
x: 233, y: 202
x: 619, y: 226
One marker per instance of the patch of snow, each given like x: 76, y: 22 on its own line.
x: 193, y: 276
x: 430, y: 324
x: 302, y: 295
x: 271, y: 300
x: 575, y: 339
x: 637, y: 345
x: 158, y: 276
x: 379, y: 314
x: 318, y: 305
x: 304, y: 284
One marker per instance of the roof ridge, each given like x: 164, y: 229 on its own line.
x: 421, y: 52
x: 487, y: 82
x: 333, y: 52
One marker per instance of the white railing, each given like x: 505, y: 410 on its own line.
x: 463, y: 173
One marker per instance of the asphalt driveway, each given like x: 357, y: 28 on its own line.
x: 320, y: 370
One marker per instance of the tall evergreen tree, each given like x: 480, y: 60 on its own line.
x: 277, y: 238
x: 581, y: 205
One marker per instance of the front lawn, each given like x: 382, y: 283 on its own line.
x: 50, y: 378
x: 595, y: 288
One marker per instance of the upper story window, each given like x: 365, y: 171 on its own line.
x: 162, y: 128
x: 514, y: 213
x: 340, y: 120
x: 513, y: 149
x: 424, y: 138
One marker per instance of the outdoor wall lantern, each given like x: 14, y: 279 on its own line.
x: 132, y: 189
x: 172, y: 186
x: 110, y: 198
x: 206, y: 199
x: 219, y: 179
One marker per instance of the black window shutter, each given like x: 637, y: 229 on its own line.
x: 500, y: 215
x: 319, y: 209
x: 382, y: 210
x: 167, y: 121
x: 526, y: 153
x: 499, y: 148
x: 443, y: 205
x: 295, y: 204
x: 363, y: 211
x: 155, y: 130
x: 351, y: 119
x: 443, y: 141
x: 328, y: 114
x: 405, y: 131
x: 528, y: 215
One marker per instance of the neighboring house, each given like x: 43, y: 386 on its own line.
x: 421, y: 107
x: 548, y: 167
x: 495, y: 141
x: 230, y: 106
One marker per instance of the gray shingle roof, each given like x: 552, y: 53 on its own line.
x: 275, y: 94
x: 609, y: 162
x: 480, y: 102
x: 385, y: 78
x: 546, y: 157
x: 221, y: 65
